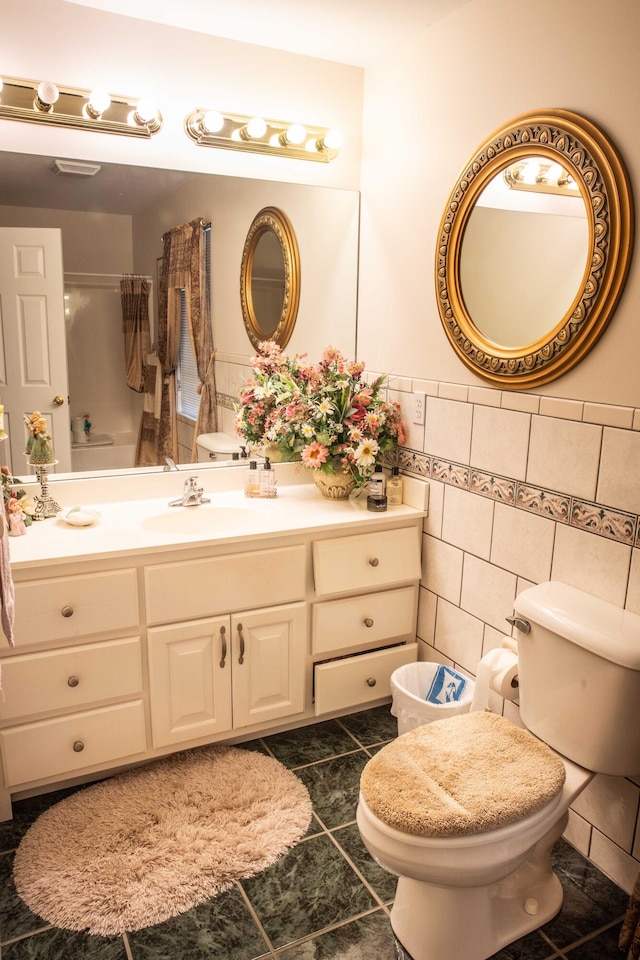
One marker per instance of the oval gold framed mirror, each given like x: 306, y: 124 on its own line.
x: 270, y: 278
x: 534, y: 248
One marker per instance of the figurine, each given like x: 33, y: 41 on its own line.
x: 87, y: 426
x: 38, y: 449
x: 15, y: 518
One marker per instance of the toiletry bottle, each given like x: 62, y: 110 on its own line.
x: 252, y: 482
x: 268, y: 480
x: 378, y: 503
x: 394, y: 487
x: 377, y: 482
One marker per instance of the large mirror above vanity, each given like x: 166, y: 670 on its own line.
x: 534, y: 248
x: 112, y: 224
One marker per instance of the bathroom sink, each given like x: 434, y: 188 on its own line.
x: 202, y: 519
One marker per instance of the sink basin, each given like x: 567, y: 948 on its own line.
x: 203, y: 519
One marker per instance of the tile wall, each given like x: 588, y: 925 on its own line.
x: 523, y: 488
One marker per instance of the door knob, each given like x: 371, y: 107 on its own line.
x: 58, y: 400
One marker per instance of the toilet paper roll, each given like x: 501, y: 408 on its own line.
x: 496, y: 671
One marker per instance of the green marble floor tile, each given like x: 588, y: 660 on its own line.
x: 309, y: 889
x: 318, y: 741
x: 15, y: 917
x: 221, y: 929
x: 364, y: 939
x: 334, y: 787
x: 604, y: 946
x: 55, y: 944
x: 26, y: 812
x: 383, y: 883
x: 372, y: 726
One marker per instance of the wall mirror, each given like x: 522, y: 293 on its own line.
x: 534, y: 248
x: 270, y: 278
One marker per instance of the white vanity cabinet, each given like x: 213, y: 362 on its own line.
x: 359, y: 640
x: 222, y: 673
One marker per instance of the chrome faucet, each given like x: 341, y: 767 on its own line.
x: 191, y: 495
x: 170, y: 464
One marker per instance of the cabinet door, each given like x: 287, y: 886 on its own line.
x: 269, y: 653
x: 190, y: 680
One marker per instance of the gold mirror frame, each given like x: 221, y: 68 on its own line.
x: 591, y: 159
x: 273, y: 220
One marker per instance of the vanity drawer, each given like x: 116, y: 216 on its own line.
x: 361, y: 679
x: 65, y: 607
x: 367, y: 561
x: 70, y: 679
x: 35, y: 751
x: 365, y: 619
x: 204, y: 588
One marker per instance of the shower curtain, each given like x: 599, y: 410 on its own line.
x: 630, y: 933
x: 134, y: 294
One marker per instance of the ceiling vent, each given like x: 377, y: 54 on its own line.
x: 75, y: 168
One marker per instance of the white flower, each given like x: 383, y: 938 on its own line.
x: 325, y: 406
x: 307, y: 430
x: 365, y: 453
x: 260, y: 392
x: 355, y: 434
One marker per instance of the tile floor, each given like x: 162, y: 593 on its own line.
x: 325, y: 900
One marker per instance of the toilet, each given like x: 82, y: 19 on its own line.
x: 465, y: 811
x: 216, y: 446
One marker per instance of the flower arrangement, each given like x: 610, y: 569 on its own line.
x: 324, y: 414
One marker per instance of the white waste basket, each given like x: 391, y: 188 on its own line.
x: 424, y: 691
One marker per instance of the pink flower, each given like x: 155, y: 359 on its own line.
x: 314, y: 455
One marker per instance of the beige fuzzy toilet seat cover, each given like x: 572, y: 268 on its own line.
x: 461, y: 775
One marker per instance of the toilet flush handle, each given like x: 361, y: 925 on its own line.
x: 522, y: 625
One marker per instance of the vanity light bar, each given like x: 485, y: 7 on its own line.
x: 45, y: 102
x: 541, y: 176
x: 233, y: 131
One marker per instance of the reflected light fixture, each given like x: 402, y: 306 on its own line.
x: 47, y: 102
x: 258, y: 135
x: 541, y: 175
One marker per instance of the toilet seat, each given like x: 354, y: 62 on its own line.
x: 466, y: 775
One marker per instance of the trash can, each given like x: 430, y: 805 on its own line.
x: 423, y: 692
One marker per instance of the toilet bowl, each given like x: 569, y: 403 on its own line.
x: 466, y: 892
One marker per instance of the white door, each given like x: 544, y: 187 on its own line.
x: 33, y: 355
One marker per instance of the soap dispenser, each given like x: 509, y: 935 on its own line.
x: 252, y: 481
x: 268, y: 480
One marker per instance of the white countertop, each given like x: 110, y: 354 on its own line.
x: 143, y: 524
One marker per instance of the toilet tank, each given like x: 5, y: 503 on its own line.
x: 216, y: 446
x: 579, y: 674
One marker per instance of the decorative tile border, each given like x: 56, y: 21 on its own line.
x: 227, y: 401
x: 590, y: 517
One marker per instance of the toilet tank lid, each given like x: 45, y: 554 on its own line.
x: 594, y: 624
x: 218, y: 442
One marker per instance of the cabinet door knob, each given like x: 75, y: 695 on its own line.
x: 78, y: 746
x: 241, y: 636
x: 368, y: 622
x: 374, y: 561
x: 223, y: 637
x: 67, y: 611
x: 73, y: 681
x: 371, y: 681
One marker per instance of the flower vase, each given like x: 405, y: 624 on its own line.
x: 334, y: 486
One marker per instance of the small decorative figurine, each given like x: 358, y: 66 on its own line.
x: 38, y: 449
x: 87, y: 426
x: 15, y: 518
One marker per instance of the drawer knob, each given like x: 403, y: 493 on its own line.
x: 368, y: 622
x: 73, y: 681
x: 78, y: 746
x: 374, y: 561
x: 67, y: 611
x: 371, y: 681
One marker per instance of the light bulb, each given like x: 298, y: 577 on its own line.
x: 146, y: 111
x: 212, y: 121
x: 99, y: 101
x: 256, y: 128
x: 295, y: 133
x: 47, y: 95
x: 332, y: 140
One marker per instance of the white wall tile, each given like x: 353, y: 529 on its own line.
x: 430, y: 387
x: 613, y: 861
x: 453, y: 391
x: 578, y: 833
x: 564, y: 456
x: 458, y: 635
x: 221, y: 371
x: 487, y: 396
x: 426, y: 627
x: 433, y: 523
x: 526, y: 402
x: 500, y: 441
x: 591, y: 563
x: 611, y: 804
x: 607, y: 414
x: 618, y: 480
x: 633, y: 589
x: 488, y: 592
x: 522, y: 542
x: 557, y: 407
x: 448, y: 429
x: 441, y: 568
x: 467, y: 521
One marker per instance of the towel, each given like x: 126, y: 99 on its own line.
x: 7, y: 591
x: 152, y: 385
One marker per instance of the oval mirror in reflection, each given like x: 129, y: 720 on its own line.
x: 524, y: 252
x: 534, y: 248
x: 270, y: 278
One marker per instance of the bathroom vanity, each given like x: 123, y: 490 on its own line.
x: 158, y: 628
